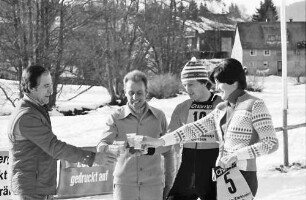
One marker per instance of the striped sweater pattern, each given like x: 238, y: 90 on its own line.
x: 250, y: 132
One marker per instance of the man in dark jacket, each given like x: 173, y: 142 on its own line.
x: 34, y: 149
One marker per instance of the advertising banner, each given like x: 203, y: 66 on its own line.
x: 76, y: 179
x: 4, y: 187
x: 79, y: 180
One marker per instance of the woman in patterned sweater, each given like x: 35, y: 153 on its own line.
x: 241, y: 124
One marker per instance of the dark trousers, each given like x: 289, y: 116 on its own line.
x: 194, y: 178
x: 251, y: 179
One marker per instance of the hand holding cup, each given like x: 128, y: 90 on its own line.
x: 152, y: 142
x: 135, y: 146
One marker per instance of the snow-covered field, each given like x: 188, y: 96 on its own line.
x: 84, y: 130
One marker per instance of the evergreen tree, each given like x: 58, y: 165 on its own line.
x: 203, y: 11
x: 193, y: 11
x: 266, y: 12
x: 181, y: 10
x: 234, y: 11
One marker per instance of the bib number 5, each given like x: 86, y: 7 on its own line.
x: 232, y: 188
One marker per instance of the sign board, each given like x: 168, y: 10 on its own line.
x: 4, y: 187
x: 76, y: 179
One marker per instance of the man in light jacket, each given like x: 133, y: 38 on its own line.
x: 138, y: 175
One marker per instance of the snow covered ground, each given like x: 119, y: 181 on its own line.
x: 84, y: 130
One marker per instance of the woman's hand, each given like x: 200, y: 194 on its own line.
x: 227, y: 161
x: 152, y: 142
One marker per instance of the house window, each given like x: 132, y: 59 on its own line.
x: 189, y: 43
x: 271, y: 37
x: 266, y: 52
x: 253, y: 52
x: 265, y: 64
x: 274, y: 37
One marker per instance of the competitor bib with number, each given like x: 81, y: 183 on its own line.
x: 198, y: 110
x: 231, y: 185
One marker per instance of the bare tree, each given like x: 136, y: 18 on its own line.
x: 163, y: 29
x: 102, y: 40
x: 29, y: 34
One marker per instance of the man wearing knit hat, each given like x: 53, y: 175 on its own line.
x: 195, y: 159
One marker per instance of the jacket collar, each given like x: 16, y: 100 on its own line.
x: 233, y: 97
x: 43, y: 110
x: 126, y: 111
x: 29, y: 98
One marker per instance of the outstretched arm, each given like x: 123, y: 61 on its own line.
x: 202, y: 130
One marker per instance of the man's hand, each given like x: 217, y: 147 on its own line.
x: 105, y: 158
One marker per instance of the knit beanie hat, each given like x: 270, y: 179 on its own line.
x: 194, y: 70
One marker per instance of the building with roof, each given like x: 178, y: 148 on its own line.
x: 257, y: 45
x: 210, y: 38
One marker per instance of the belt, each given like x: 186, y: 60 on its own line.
x: 201, y: 145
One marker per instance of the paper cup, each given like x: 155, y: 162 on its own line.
x: 137, y: 142
x: 130, y: 139
x: 121, y: 146
x: 114, y: 149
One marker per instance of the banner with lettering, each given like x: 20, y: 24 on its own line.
x: 76, y: 179
x: 4, y: 186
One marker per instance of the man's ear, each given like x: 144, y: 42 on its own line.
x: 31, y: 89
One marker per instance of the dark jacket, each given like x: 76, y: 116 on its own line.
x: 34, y: 149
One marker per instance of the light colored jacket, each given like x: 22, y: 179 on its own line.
x: 250, y: 132
x: 144, y: 169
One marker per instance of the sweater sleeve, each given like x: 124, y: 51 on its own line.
x: 32, y: 128
x: 202, y: 130
x: 262, y: 123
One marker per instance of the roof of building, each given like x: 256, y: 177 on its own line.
x: 267, y: 35
x: 219, y: 23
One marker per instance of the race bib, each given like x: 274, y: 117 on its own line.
x: 198, y: 110
x: 231, y: 185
